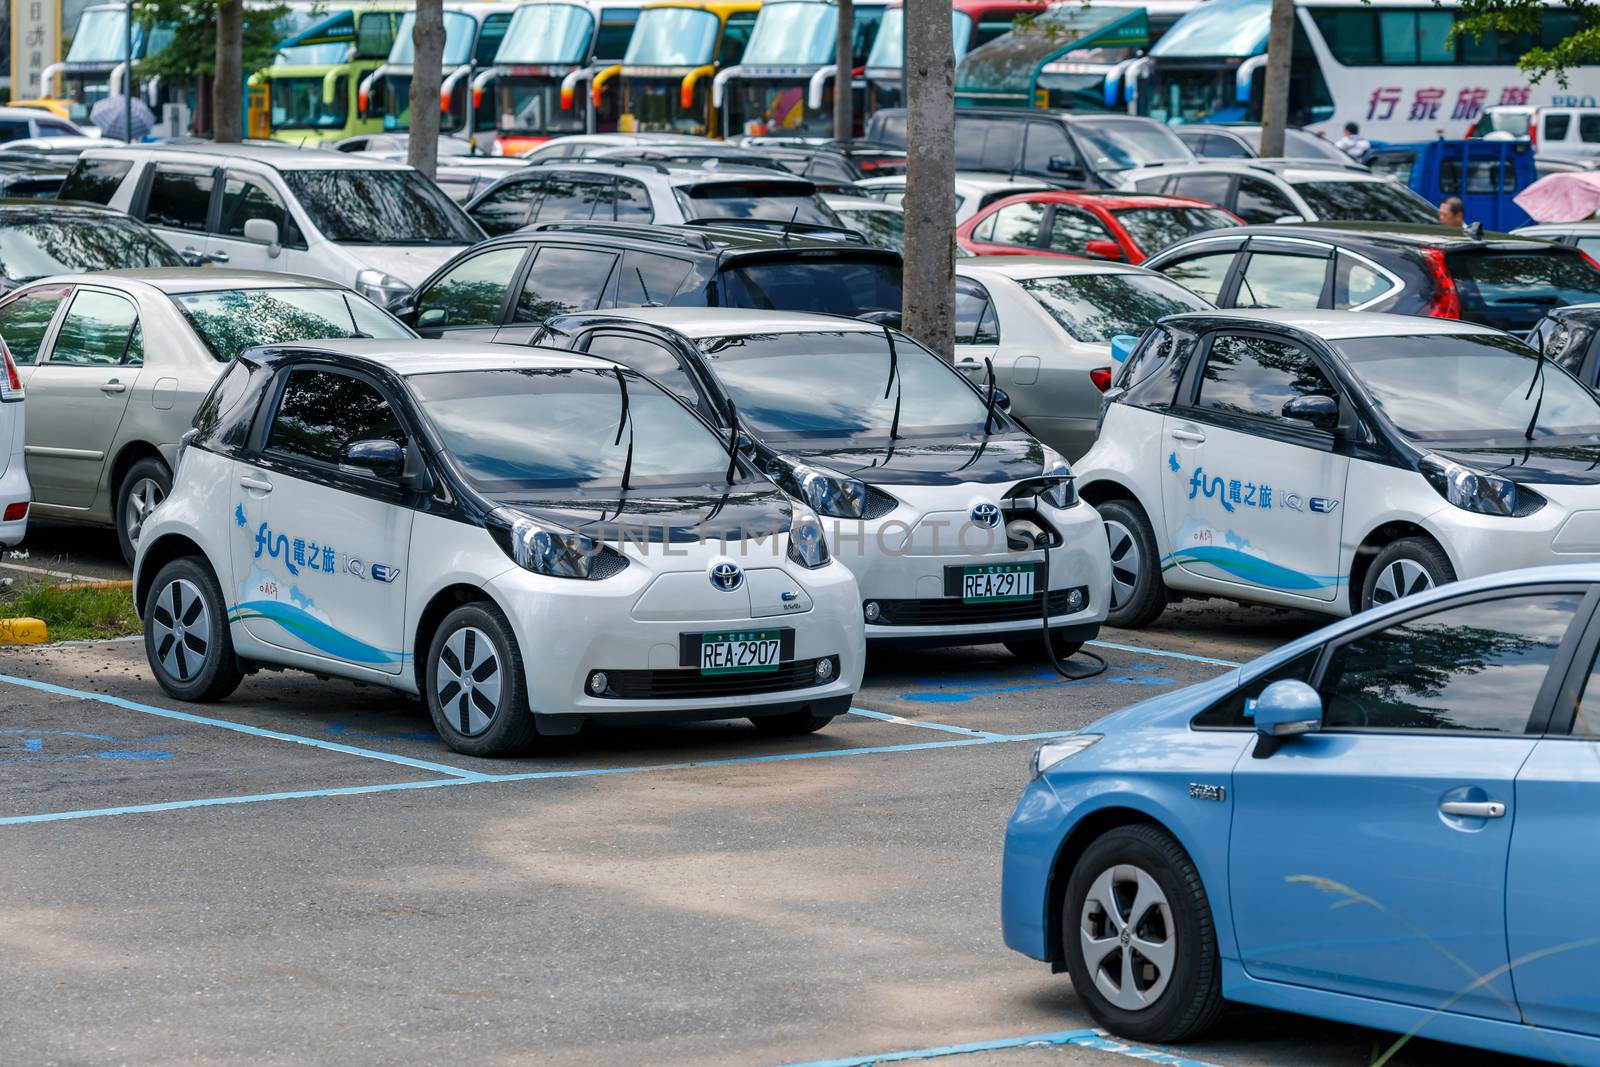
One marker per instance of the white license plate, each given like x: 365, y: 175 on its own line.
x: 997, y: 581
x: 742, y: 652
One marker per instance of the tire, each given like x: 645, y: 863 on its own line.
x: 141, y: 490
x: 1032, y: 648
x: 487, y: 715
x: 798, y: 723
x: 1138, y: 595
x: 186, y: 636
x: 1142, y: 865
x: 1408, y: 566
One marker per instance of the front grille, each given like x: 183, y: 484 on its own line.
x: 688, y: 683
x: 608, y: 562
x: 879, y: 503
x: 951, y: 611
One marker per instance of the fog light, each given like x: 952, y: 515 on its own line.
x: 1075, y: 600
x: 15, y: 512
x: 824, y: 669
x: 597, y: 682
x: 872, y: 611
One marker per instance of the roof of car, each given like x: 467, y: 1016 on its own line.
x: 696, y: 323
x: 723, y: 238
x: 1110, y: 200
x: 1020, y: 267
x: 282, y: 157
x: 1335, y: 325
x: 174, y: 280
x: 1539, y: 229
x: 408, y: 357
x: 1298, y: 169
x: 1393, y: 234
x: 32, y: 206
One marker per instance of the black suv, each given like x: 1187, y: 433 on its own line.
x: 506, y: 287
x: 1068, y: 149
x: 1496, y: 279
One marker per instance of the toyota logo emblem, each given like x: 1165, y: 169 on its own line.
x: 726, y: 575
x: 986, y: 514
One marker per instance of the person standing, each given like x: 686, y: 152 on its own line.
x: 1352, y: 143
x: 1452, y: 212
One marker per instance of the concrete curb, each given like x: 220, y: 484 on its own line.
x: 23, y: 631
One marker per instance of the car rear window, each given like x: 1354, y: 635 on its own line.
x: 95, y: 181
x: 828, y: 284
x: 1550, y: 277
x: 781, y: 201
x: 1361, y: 201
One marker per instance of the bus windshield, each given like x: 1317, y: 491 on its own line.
x: 547, y: 33
x: 459, y: 31
x: 888, y: 48
x: 673, y: 37
x: 1218, y: 28
x: 99, y: 37
x: 794, y: 33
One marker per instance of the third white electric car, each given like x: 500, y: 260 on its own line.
x: 527, y: 538
x: 1333, y: 460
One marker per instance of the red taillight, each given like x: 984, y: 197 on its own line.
x: 1101, y: 377
x: 1445, y: 303
x: 15, y: 512
x: 1587, y: 258
x: 477, y: 98
x: 11, y: 383
x: 363, y: 102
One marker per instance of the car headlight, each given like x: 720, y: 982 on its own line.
x: 380, y: 287
x: 1485, y: 494
x: 829, y: 494
x: 807, y: 545
x: 1061, y: 492
x: 1051, y: 753
x: 1556, y: 339
x: 542, y: 548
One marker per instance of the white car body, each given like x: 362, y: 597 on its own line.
x: 975, y: 190
x: 390, y: 566
x: 15, y: 493
x: 1584, y: 236
x: 1274, y: 183
x: 584, y: 145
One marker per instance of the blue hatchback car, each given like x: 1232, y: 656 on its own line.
x: 1394, y: 822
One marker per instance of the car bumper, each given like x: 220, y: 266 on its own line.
x: 1033, y: 839
x: 1565, y: 530
x: 14, y: 489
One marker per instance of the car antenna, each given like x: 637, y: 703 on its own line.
x: 792, y: 216
x: 643, y: 288
x: 733, y: 442
x: 988, y: 413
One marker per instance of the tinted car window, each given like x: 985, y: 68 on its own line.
x: 649, y: 280
x: 1556, y: 127
x: 507, y: 208
x: 378, y: 207
x: 1047, y: 141
x: 1212, y: 188
x: 42, y: 244
x: 1229, y: 711
x: 1154, y: 228
x: 564, y: 280
x: 976, y: 323
x: 1272, y: 280
x: 322, y: 412
x: 1367, y: 201
x: 834, y: 286
x: 630, y: 201
x: 23, y: 322
x: 1257, y: 375
x: 229, y: 321
x: 1205, y: 274
x: 648, y: 358
x: 781, y: 201
x: 180, y: 198
x: 1475, y: 667
x: 95, y: 181
x: 1547, y: 276
x: 1071, y: 230
x: 472, y: 293
x: 1355, y: 283
x: 1014, y: 224
x: 13, y: 129
x: 245, y: 198
x: 96, y: 330
x: 1096, y: 307
x: 985, y: 144
x: 567, y: 198
x: 1260, y: 201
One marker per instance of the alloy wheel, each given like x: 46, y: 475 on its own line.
x: 1125, y: 561
x: 1403, y: 577
x: 468, y: 680
x: 145, y: 496
x: 182, y: 626
x: 1127, y: 937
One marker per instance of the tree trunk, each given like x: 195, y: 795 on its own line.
x: 1275, y: 98
x: 930, y: 197
x: 427, y: 40
x: 844, y: 75
x: 227, y: 88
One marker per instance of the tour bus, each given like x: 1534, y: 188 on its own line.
x: 1059, y: 59
x: 551, y: 69
x: 973, y: 23
x: 472, y: 36
x: 677, y: 49
x: 785, y: 82
x: 309, y: 94
x: 1391, y: 66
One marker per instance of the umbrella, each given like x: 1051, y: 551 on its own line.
x: 1562, y: 197
x: 109, y: 115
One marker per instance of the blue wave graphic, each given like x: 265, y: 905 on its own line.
x: 1253, y: 569
x: 313, y: 631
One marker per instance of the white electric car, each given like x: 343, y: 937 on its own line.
x: 528, y: 539
x: 15, y: 491
x: 954, y: 519
x: 1334, y: 460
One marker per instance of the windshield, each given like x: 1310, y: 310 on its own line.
x: 533, y: 105
x: 99, y: 37
x: 1122, y: 144
x: 40, y: 247
x: 888, y: 48
x: 380, y: 207
x: 1473, y: 389
x: 793, y: 34
x: 298, y: 103
x: 1380, y: 201
x: 1154, y: 228
x: 524, y: 430
x: 1516, y: 123
x: 233, y: 320
x: 672, y: 37
x: 459, y: 31
x: 1218, y: 28
x: 820, y: 385
x: 778, y: 201
x: 547, y: 33
x: 882, y: 229
x: 832, y: 285
x: 1096, y: 307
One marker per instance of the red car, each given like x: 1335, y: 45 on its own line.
x: 1125, y: 227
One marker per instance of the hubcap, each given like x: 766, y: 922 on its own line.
x: 1125, y: 561
x: 1401, y: 578
x: 145, y: 496
x: 182, y: 628
x: 468, y: 682
x: 1128, y: 941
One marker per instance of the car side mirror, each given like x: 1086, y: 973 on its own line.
x: 263, y: 231
x: 746, y: 444
x: 1285, y: 709
x: 1065, y: 165
x: 1103, y: 250
x: 1122, y: 346
x: 1289, y: 219
x: 1002, y: 399
x: 433, y: 317
x: 1320, y: 411
x: 378, y: 457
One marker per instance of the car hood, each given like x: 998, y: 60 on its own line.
x: 409, y: 263
x: 676, y: 516
x: 1566, y: 463
x: 929, y: 460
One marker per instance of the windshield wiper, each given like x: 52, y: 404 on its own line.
x: 733, y: 442
x: 1538, y: 378
x: 625, y: 419
x: 988, y: 411
x: 894, y: 380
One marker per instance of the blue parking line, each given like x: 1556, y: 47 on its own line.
x: 253, y: 731
x: 1094, y: 1039
x: 1163, y: 652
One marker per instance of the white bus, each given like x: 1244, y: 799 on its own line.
x: 1390, y: 66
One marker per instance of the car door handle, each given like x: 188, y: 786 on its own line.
x: 113, y: 386
x: 1474, y: 809
x: 258, y: 484
x: 1188, y: 435
x: 217, y: 257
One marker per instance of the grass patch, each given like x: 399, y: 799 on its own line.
x: 73, y: 613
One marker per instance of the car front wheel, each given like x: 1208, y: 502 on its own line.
x: 476, y: 690
x: 1138, y: 596
x: 1137, y: 935
x: 1409, y: 566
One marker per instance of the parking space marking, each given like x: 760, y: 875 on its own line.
x: 237, y: 727
x: 1098, y: 1040
x: 1192, y: 658
x: 926, y: 725
x: 209, y: 802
